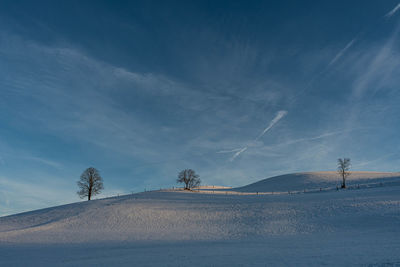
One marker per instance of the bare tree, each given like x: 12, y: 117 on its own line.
x: 90, y: 183
x: 189, y: 178
x: 343, y: 169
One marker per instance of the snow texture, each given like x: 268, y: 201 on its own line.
x: 357, y: 226
x: 318, y: 180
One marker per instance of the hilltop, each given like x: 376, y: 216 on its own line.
x: 171, y: 227
x: 317, y: 180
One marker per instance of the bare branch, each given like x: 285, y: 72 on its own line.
x: 189, y: 178
x: 90, y: 183
x: 343, y: 169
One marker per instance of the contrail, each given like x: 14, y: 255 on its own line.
x: 278, y: 116
x: 327, y: 134
x: 238, y: 153
x: 341, y: 52
x: 324, y: 70
x: 393, y: 11
x: 283, y: 113
x: 229, y: 151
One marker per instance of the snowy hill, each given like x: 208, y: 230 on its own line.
x: 317, y: 180
x: 178, y: 228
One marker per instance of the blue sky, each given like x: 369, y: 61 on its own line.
x: 237, y: 91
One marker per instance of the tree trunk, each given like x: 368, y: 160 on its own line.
x: 90, y: 194
x: 344, y: 182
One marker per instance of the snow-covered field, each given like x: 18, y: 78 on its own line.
x: 177, y: 228
x: 319, y: 180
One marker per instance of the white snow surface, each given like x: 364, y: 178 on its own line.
x: 319, y: 180
x: 358, y: 226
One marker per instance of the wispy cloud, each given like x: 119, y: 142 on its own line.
x: 238, y: 151
x: 369, y: 162
x: 313, y: 138
x: 342, y: 52
x: 66, y: 104
x: 376, y: 69
x: 48, y: 162
x: 57, y: 82
x: 393, y: 11
x: 13, y: 154
x: 23, y: 195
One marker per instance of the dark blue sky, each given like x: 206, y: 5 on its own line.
x: 237, y: 90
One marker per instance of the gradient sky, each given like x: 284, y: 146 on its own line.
x: 237, y: 90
